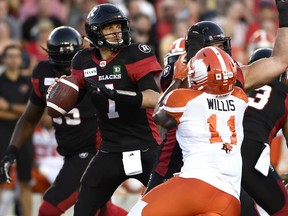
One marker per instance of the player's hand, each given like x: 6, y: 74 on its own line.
x: 97, y: 88
x: 195, y: 40
x: 180, y: 68
x: 7, y: 160
x: 57, y: 80
x: 282, y: 7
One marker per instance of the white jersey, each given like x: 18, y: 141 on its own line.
x: 46, y: 156
x: 210, y: 134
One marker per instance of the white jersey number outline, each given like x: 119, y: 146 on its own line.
x: 71, y: 118
x: 261, y: 98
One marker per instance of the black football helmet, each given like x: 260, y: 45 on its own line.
x: 259, y: 54
x: 212, y: 33
x: 266, y: 53
x: 62, y: 44
x: 102, y: 15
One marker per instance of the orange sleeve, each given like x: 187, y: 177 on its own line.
x: 175, y: 102
x: 239, y: 93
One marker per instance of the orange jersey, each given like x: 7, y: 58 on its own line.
x: 210, y: 134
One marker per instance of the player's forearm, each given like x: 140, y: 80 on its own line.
x: 280, y: 47
x: 174, y: 85
x: 150, y: 98
x: 26, y: 124
x: 22, y: 132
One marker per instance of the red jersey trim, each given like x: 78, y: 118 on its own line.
x: 97, y: 61
x: 79, y: 75
x: 139, y: 69
x: 35, y: 83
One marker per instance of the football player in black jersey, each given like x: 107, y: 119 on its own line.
x: 170, y: 155
x: 194, y: 42
x: 266, y: 114
x: 77, y: 149
x: 120, y: 77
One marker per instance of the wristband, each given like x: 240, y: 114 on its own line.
x: 11, y: 150
x: 283, y: 21
x: 134, y: 100
x: 282, y: 7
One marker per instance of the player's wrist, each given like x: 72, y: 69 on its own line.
x: 283, y: 19
x: 135, y: 100
x: 9, y: 155
x: 12, y: 150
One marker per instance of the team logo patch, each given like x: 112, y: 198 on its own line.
x: 102, y: 63
x: 24, y: 88
x: 144, y: 48
x: 166, y: 71
x: 90, y: 72
x: 48, y: 81
x: 116, y: 69
x: 83, y: 155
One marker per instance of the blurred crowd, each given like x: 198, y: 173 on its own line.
x: 27, y: 23
x: 155, y: 22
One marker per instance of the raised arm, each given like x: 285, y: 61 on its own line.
x: 265, y: 70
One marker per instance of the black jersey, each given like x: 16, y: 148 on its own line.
x: 14, y: 92
x: 267, y: 112
x: 123, y: 127
x: 76, y: 131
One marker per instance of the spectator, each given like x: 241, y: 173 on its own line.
x: 30, y: 24
x: 36, y: 48
x: 259, y: 39
x: 14, y: 93
x: 13, y: 22
x: 143, y: 31
x: 266, y: 19
x: 234, y: 24
x: 6, y: 35
x: 180, y: 27
x: 166, y: 16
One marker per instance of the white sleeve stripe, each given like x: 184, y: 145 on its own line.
x: 174, y: 109
x: 70, y: 84
x: 55, y: 107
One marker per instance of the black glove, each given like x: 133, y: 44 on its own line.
x: 6, y: 161
x: 97, y: 88
x: 129, y: 97
x: 282, y: 7
x: 194, y: 41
